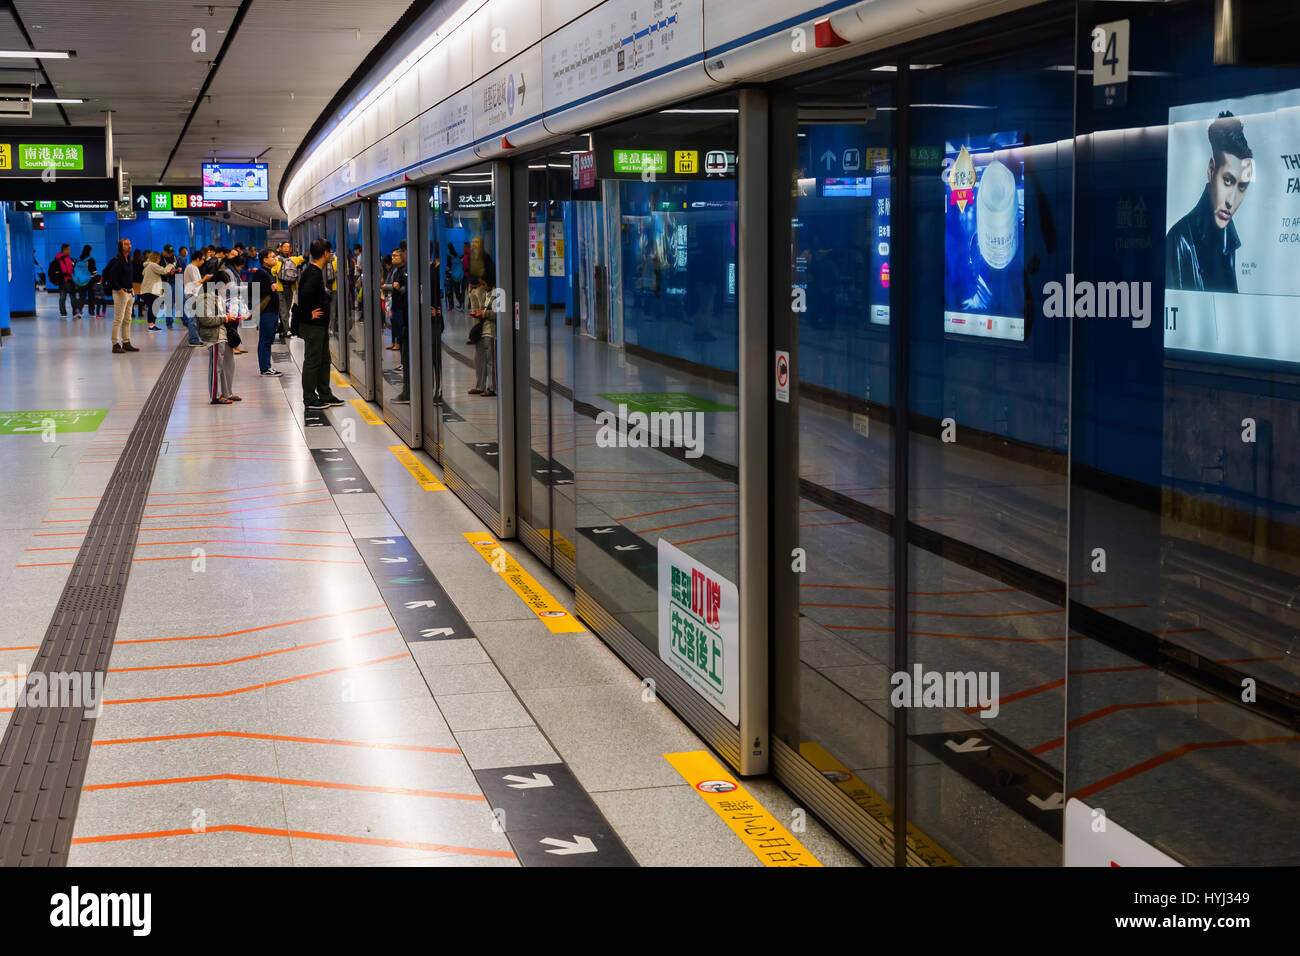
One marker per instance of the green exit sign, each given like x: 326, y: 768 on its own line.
x: 160, y: 202
x: 51, y: 156
x: 640, y: 160
x: 46, y: 205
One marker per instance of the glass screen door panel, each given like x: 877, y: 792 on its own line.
x: 353, y: 269
x: 394, y: 300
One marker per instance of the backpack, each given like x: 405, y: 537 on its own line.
x: 81, y: 275
x: 288, y: 271
x: 55, y: 271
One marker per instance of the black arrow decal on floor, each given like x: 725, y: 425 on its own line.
x: 342, y: 474
x: 418, y: 603
x: 550, y: 819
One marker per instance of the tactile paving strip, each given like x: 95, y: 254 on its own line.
x: 44, y: 751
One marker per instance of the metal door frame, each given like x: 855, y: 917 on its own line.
x: 430, y: 431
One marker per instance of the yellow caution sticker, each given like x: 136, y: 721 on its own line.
x: 919, y: 846
x: 366, y: 412
x: 337, y: 378
x: 771, y: 842
x: 549, y: 610
x: 562, y: 544
x: 412, y: 464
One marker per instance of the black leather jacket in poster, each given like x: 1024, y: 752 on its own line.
x: 1198, y: 254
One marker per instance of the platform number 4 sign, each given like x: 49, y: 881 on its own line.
x: 1110, y: 64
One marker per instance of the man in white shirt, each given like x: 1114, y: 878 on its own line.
x: 193, y: 283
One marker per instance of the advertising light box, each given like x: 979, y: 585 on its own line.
x: 1232, y: 228
x: 246, y: 182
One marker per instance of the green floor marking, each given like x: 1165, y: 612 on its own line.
x: 61, y: 419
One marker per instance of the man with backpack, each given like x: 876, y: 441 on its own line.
x: 82, y: 275
x: 61, y: 270
x: 287, y: 273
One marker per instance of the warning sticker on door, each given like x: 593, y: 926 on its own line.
x: 699, y: 628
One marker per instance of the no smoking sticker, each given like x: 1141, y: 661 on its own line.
x: 783, y: 377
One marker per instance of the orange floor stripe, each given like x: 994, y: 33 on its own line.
x: 301, y: 835
x: 251, y: 657
x: 190, y: 557
x: 154, y: 544
x: 272, y: 683
x: 1174, y: 754
x: 251, y: 630
x: 289, y: 782
x: 284, y: 738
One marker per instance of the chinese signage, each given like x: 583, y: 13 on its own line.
x: 699, y: 628
x: 584, y: 170
x: 471, y: 197
x: 640, y: 161
x: 55, y: 156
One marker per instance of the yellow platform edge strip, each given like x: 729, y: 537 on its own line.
x: 548, y: 610
x: 365, y: 411
x: 412, y: 464
x: 876, y: 806
x: 771, y: 842
x: 336, y: 377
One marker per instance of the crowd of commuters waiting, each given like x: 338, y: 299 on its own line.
x: 214, y: 290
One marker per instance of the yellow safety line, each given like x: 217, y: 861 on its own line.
x: 771, y: 842
x: 549, y: 610
x: 562, y: 544
x: 423, y: 475
x: 877, y: 807
x: 337, y: 378
x: 366, y: 412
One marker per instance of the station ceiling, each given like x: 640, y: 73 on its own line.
x: 143, y: 61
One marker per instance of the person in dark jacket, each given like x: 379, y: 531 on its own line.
x: 265, y: 302
x: 312, y: 324
x: 1201, y: 248
x: 117, y: 281
x: 137, y: 277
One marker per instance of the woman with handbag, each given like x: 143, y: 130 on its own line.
x: 483, y: 335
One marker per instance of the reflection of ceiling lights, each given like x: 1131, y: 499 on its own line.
x: 36, y: 54
x: 56, y: 99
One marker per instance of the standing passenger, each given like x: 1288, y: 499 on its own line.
x: 117, y: 279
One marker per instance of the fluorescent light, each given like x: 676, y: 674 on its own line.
x: 34, y: 54
x: 57, y: 99
x: 699, y: 111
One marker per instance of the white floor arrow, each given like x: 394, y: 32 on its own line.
x: 1055, y: 802
x: 580, y: 844
x: 627, y: 547
x: 393, y: 560
x: 968, y: 746
x: 412, y: 605
x: 437, y: 632
x: 382, y: 541
x: 602, y: 530
x: 528, y: 783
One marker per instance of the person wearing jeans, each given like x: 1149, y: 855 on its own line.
x: 265, y: 300
x: 193, y: 279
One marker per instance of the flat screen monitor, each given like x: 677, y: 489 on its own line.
x: 247, y: 182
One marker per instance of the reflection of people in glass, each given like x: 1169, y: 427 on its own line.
x: 1201, y: 248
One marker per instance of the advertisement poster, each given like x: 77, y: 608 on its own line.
x: 238, y: 181
x: 557, y: 247
x: 879, y: 284
x: 1232, y: 227
x: 984, y: 232
x: 699, y: 628
x: 536, y: 264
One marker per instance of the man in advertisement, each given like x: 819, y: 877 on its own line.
x: 1201, y: 248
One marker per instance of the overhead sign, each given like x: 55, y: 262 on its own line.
x: 471, y: 197
x: 690, y: 157
x: 584, y: 170
x: 699, y: 628
x: 33, y: 152
x: 161, y: 199
x: 65, y: 205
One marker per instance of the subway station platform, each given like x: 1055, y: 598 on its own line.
x: 304, y: 673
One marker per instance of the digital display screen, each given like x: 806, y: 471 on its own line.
x: 250, y: 182
x: 851, y: 186
x: 984, y: 236
x: 1232, y: 227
